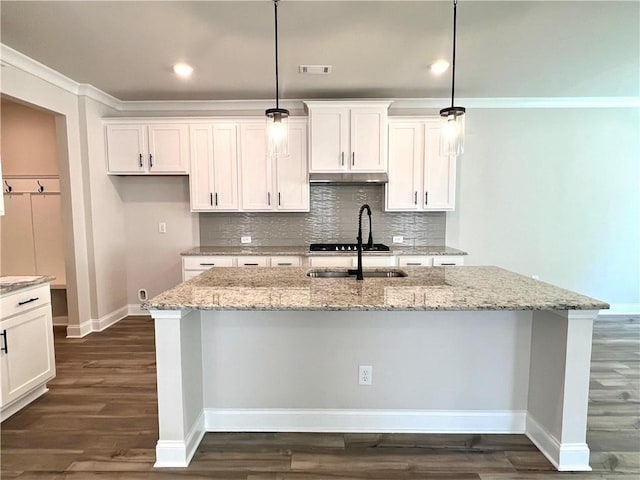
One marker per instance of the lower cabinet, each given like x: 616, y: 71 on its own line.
x: 429, y: 260
x: 352, y: 261
x: 194, y: 265
x: 27, y: 359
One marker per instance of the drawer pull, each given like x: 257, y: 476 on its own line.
x: 414, y: 263
x: 150, y: 161
x: 28, y: 301
x: 140, y: 161
x: 250, y: 264
x: 447, y: 264
x: 5, y: 345
x: 284, y: 264
x: 207, y: 264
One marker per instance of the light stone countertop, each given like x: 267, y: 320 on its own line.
x: 304, y: 251
x: 425, y: 288
x: 10, y: 284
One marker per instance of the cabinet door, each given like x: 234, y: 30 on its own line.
x: 368, y: 140
x: 29, y: 360
x: 127, y: 149
x: 17, y: 244
x: 48, y: 236
x: 439, y: 173
x: 337, y: 261
x: 329, y: 137
x: 404, y: 190
x: 168, y: 149
x: 292, y: 180
x: 256, y: 177
x: 201, y: 177
x: 225, y: 167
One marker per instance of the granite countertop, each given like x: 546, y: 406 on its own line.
x: 425, y: 288
x: 304, y: 251
x: 12, y: 283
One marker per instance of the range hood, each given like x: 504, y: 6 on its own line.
x: 348, y: 178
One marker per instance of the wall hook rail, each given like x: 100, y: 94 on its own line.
x: 8, y: 188
x: 40, y: 187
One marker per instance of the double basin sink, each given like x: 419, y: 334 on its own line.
x: 388, y: 273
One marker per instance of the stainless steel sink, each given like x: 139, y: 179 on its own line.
x: 323, y: 273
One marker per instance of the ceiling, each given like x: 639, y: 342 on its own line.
x: 378, y: 49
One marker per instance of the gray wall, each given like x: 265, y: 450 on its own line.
x: 333, y: 218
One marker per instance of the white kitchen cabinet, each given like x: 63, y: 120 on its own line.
x: 27, y: 359
x: 252, y: 261
x: 420, y: 179
x: 273, y: 184
x: 194, y: 265
x: 156, y: 148
x: 285, y: 261
x: 415, y: 261
x: 213, y: 179
x: 348, y: 136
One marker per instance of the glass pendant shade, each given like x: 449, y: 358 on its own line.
x: 277, y: 132
x: 452, y: 131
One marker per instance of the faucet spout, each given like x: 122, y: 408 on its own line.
x: 359, y: 275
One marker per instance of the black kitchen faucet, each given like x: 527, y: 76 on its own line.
x: 364, y: 207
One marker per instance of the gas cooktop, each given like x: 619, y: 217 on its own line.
x: 346, y: 247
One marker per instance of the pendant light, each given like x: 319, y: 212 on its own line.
x: 452, y: 118
x: 277, y: 118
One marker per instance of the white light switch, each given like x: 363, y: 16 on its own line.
x: 246, y: 239
x: 162, y: 227
x: 398, y: 239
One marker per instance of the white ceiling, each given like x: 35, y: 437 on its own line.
x: 378, y: 49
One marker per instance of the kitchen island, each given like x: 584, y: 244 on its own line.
x: 453, y: 350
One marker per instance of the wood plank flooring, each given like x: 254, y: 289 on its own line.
x: 99, y: 420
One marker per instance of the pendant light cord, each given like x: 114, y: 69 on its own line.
x: 275, y: 9
x: 453, y: 68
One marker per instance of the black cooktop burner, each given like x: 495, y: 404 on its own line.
x: 346, y: 247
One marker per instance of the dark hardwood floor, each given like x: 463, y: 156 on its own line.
x: 99, y: 420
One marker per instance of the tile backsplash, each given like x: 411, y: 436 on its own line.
x: 333, y: 218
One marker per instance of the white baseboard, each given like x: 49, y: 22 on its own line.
x: 97, y: 325
x: 567, y: 457
x: 61, y: 320
x: 176, y: 453
x: 620, y: 310
x: 364, y: 421
x: 134, y: 309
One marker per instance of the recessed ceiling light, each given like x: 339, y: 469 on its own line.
x: 183, y: 70
x: 439, y: 67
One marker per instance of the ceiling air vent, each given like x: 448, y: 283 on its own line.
x: 315, y: 69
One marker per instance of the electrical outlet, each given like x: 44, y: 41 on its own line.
x: 535, y: 277
x: 162, y: 227
x: 246, y: 239
x: 365, y: 375
x: 142, y: 295
x: 398, y: 239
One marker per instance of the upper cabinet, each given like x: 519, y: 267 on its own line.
x: 348, y: 136
x: 420, y: 179
x: 279, y: 184
x: 147, y: 148
x: 213, y: 181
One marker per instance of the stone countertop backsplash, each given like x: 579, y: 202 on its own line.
x: 10, y: 284
x: 304, y: 251
x: 425, y: 288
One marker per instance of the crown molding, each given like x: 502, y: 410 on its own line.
x: 11, y: 57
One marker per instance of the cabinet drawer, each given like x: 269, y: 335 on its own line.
x: 377, y: 261
x: 332, y: 261
x: 447, y: 260
x: 253, y: 261
x: 285, y: 261
x: 25, y: 300
x: 415, y: 261
x: 205, y: 262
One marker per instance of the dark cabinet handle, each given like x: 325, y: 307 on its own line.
x: 447, y: 264
x: 279, y: 198
x: 426, y: 198
x: 250, y: 264
x: 415, y: 198
x: 140, y: 160
x: 28, y: 301
x: 353, y: 158
x: 5, y: 344
x: 216, y: 199
x: 268, y: 198
x: 342, y: 158
x: 283, y: 264
x: 207, y: 264
x: 414, y: 263
x: 150, y: 161
x: 211, y: 198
